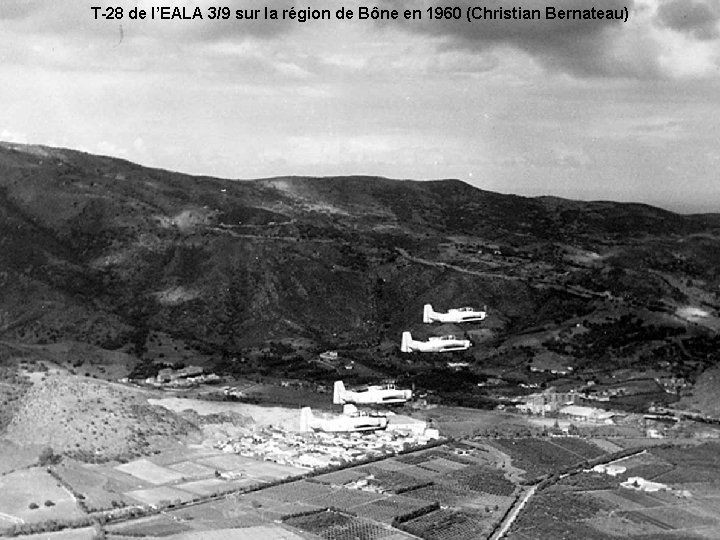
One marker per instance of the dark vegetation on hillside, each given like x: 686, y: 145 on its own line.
x: 106, y: 252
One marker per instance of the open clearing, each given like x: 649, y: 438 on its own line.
x: 149, y: 472
x: 13, y: 457
x: 204, y: 487
x: 87, y: 533
x: 190, y: 469
x: 157, y: 495
x: 99, y: 490
x: 282, y: 417
x: 20, y: 489
x: 250, y: 467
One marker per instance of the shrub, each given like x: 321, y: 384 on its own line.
x: 48, y: 457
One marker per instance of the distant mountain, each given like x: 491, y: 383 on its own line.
x: 100, y: 250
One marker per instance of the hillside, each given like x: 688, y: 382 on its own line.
x: 93, y: 420
x: 101, y: 251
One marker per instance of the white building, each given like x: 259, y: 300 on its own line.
x: 587, y: 414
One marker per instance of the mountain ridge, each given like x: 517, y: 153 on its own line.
x: 104, y: 251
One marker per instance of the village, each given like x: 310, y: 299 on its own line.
x: 313, y: 450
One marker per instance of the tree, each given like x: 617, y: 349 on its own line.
x: 48, y: 457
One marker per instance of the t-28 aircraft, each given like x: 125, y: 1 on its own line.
x: 434, y: 344
x: 370, y: 395
x: 350, y: 420
x: 456, y: 315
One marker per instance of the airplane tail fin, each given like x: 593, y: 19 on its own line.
x: 406, y: 341
x: 427, y: 313
x: 338, y: 391
x: 305, y: 417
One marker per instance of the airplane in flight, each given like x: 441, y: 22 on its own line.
x: 370, y: 395
x: 350, y: 420
x: 434, y: 344
x: 456, y: 315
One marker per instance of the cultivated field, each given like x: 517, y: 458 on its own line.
x: 256, y: 532
x: 99, y: 491
x: 32, y: 495
x: 86, y: 533
x: 182, y: 474
x: 331, y: 525
x: 149, y: 472
x: 160, y: 495
x: 538, y: 457
x: 448, y: 525
x: 592, y: 505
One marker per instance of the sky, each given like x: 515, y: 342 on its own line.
x: 591, y: 109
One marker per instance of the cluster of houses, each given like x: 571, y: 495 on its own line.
x: 312, y: 450
x: 187, y: 377
x: 563, y: 404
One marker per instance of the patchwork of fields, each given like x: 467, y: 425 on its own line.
x: 595, y: 506
x: 456, y: 491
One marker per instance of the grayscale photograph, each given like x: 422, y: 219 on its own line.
x: 348, y: 270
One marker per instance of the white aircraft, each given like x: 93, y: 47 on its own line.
x: 434, y: 344
x: 457, y: 315
x: 350, y: 420
x: 376, y: 395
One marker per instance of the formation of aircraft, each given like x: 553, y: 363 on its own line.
x: 443, y: 343
x: 350, y: 420
x: 455, y: 315
x: 433, y: 344
x: 370, y: 395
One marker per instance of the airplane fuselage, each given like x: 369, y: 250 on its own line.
x: 372, y: 395
x: 456, y: 315
x: 434, y: 344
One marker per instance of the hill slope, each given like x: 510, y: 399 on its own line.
x: 103, y: 251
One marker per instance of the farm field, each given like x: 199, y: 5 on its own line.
x: 256, y: 532
x: 331, y: 525
x: 386, y: 510
x: 366, y: 514
x: 448, y: 525
x: 452, y: 491
x: 100, y: 491
x: 538, y: 457
x: 34, y: 487
x: 479, y: 478
x: 86, y: 533
x: 149, y: 472
x: 190, y: 469
x: 162, y: 525
x: 182, y: 474
x: 159, y: 495
x: 592, y: 505
x: 224, y: 513
x: 252, y: 468
x: 204, y: 487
